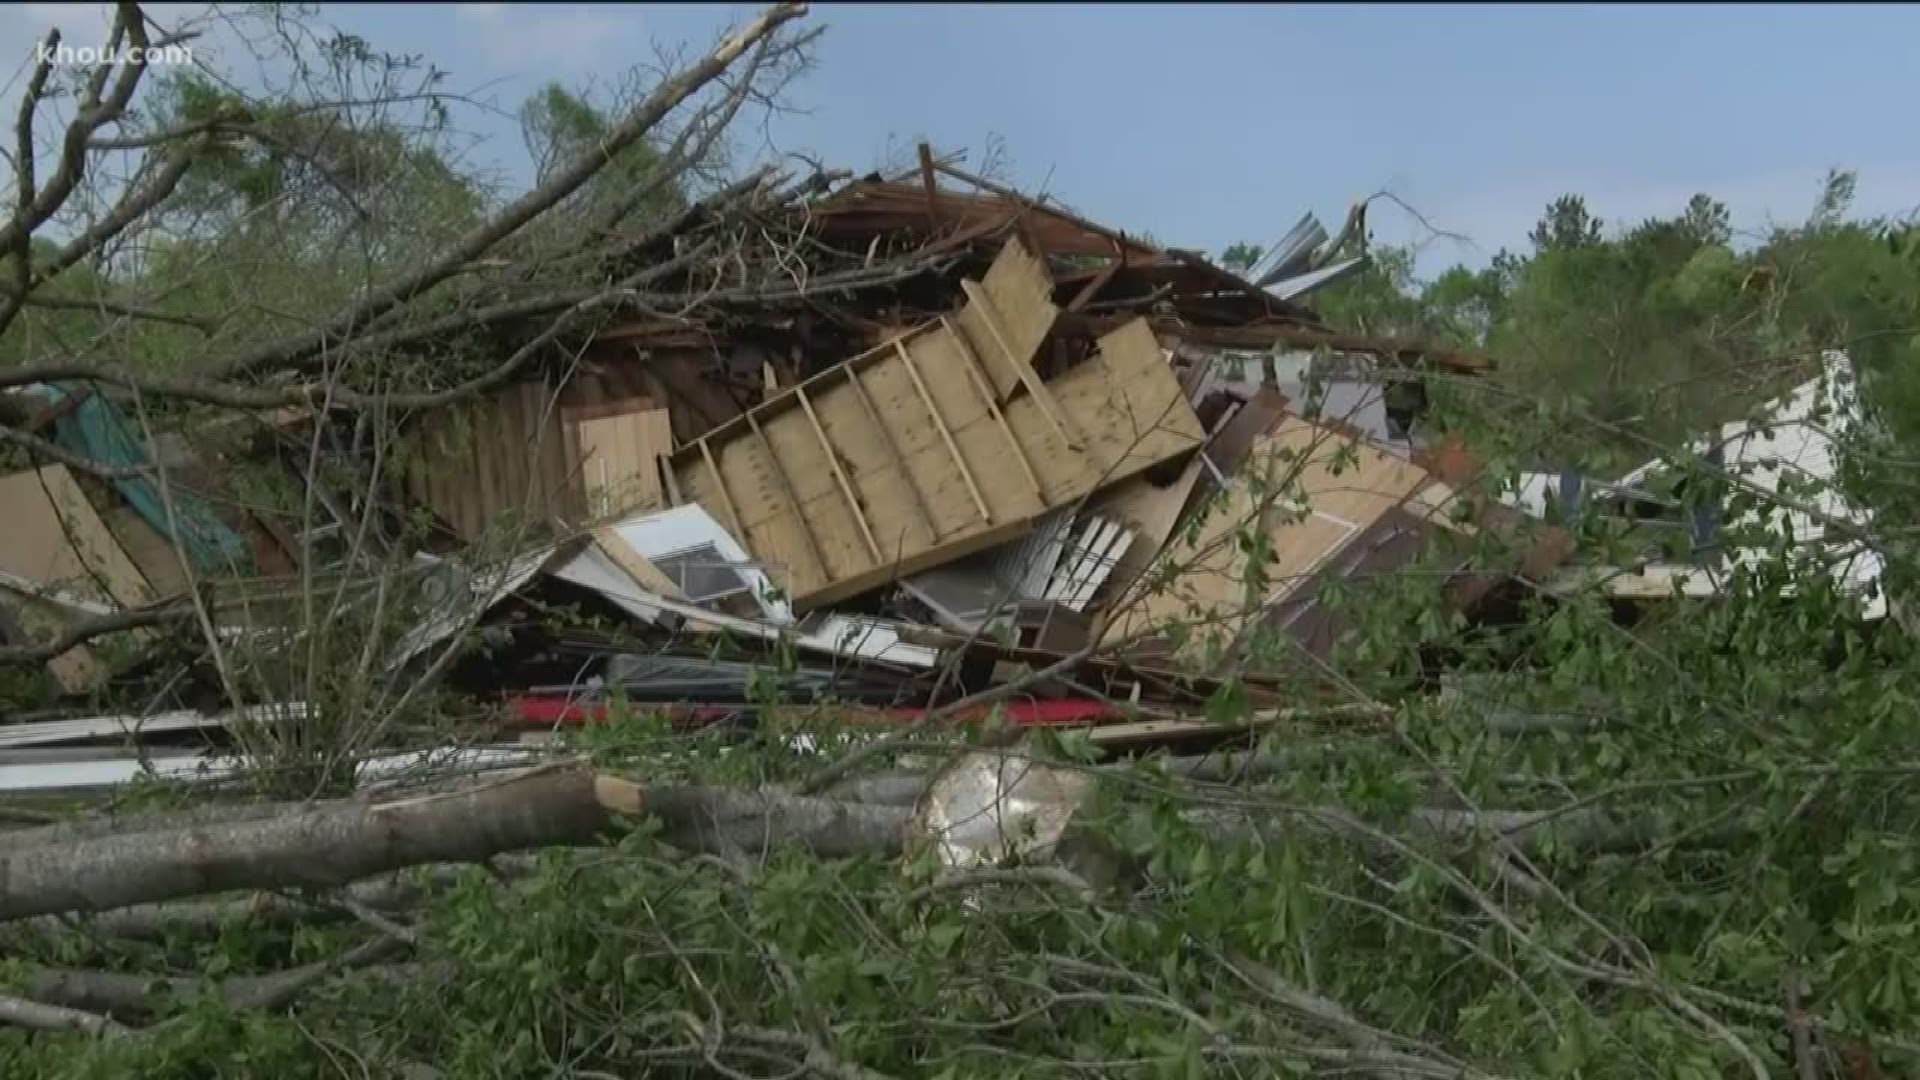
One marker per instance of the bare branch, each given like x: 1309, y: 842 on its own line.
x: 104, y: 306
x: 131, y: 22
x: 634, y: 126
x: 79, y: 633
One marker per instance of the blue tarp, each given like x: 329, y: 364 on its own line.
x: 97, y: 429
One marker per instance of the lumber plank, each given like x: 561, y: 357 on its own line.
x: 720, y: 483
x: 977, y: 295
x: 839, y: 474
x: 933, y: 410
x: 786, y: 486
x: 893, y: 445
x: 977, y: 376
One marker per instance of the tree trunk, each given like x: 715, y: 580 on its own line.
x: 330, y: 845
x: 334, y: 844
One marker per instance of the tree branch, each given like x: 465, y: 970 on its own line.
x: 85, y: 630
x: 635, y: 125
x: 28, y: 217
x: 20, y: 1012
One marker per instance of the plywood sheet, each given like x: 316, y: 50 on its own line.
x: 150, y: 551
x: 1152, y: 513
x: 619, y: 459
x: 502, y: 457
x: 1343, y: 484
x: 1019, y: 292
x: 937, y: 437
x: 55, y: 538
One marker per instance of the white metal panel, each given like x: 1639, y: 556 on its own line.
x: 664, y: 533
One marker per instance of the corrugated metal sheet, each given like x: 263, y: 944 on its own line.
x: 1294, y: 288
x: 119, y: 728
x: 1289, y: 255
x: 97, y: 773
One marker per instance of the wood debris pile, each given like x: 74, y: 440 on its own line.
x: 931, y: 433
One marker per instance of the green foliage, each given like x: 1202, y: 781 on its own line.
x: 1651, y: 333
x: 1242, y: 256
x: 560, y: 125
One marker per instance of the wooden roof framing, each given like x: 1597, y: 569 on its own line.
x: 939, y: 443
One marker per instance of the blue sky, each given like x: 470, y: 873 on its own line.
x: 1202, y: 124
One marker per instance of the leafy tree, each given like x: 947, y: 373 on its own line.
x: 1242, y: 256
x: 1566, y: 225
x: 559, y: 124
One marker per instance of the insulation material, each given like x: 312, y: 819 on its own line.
x: 56, y: 539
x: 1319, y: 511
x: 901, y: 460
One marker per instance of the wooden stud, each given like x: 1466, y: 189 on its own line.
x: 953, y: 448
x: 670, y: 482
x: 785, y: 399
x: 927, y: 182
x: 1094, y: 284
x: 1041, y: 395
x: 899, y: 456
x: 846, y: 488
x: 733, y: 512
x: 635, y: 565
x: 786, y: 488
x: 977, y: 375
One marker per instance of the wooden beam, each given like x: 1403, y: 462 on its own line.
x: 978, y: 377
x: 670, y: 482
x: 899, y: 456
x: 977, y: 295
x: 1095, y: 284
x: 1101, y: 231
x: 786, y: 488
x: 785, y: 399
x: 733, y: 512
x: 839, y: 475
x: 953, y: 448
x: 928, y: 182
x: 1404, y: 350
x: 636, y: 566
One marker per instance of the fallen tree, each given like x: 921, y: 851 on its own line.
x: 331, y: 845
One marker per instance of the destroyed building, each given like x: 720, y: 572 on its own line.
x: 987, y: 459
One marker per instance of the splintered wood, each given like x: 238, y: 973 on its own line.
x: 937, y: 444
